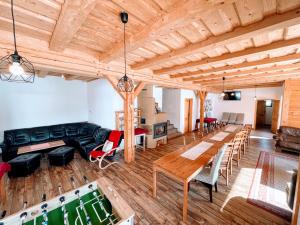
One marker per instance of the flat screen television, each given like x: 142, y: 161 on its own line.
x: 232, y: 96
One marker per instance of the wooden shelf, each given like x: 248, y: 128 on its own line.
x: 120, y: 119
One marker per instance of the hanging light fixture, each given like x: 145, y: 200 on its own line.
x: 255, y: 98
x: 14, y: 67
x: 223, y: 93
x: 125, y: 84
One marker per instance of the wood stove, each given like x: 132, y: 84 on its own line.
x: 160, y: 130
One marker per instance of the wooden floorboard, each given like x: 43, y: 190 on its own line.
x: 134, y: 182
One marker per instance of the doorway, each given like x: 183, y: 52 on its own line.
x: 267, y: 113
x: 188, y: 115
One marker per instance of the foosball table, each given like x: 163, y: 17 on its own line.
x: 95, y: 203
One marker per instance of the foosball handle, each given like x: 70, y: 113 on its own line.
x: 73, y: 181
x: 85, y: 179
x: 44, y: 197
x: 59, y: 189
x: 25, y: 205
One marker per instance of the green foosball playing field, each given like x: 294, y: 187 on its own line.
x: 76, y: 215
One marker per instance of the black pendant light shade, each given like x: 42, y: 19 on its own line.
x: 13, y: 67
x: 223, y: 93
x: 125, y: 84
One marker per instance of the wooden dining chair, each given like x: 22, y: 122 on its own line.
x: 226, y: 164
x: 236, y: 149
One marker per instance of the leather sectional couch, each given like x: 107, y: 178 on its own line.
x: 84, y: 136
x: 288, y: 139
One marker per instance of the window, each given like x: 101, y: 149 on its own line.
x: 268, y: 103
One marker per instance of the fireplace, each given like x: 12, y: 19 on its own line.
x: 159, y: 130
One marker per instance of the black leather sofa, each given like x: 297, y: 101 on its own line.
x: 84, y: 136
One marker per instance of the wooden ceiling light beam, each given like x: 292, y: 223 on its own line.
x: 72, y: 16
x: 278, y: 45
x: 178, y: 14
x: 266, y: 61
x: 277, y: 21
x: 244, y: 72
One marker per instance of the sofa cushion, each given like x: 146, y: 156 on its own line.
x: 292, y: 139
x: 72, y: 130
x: 39, y: 134
x: 57, y: 132
x: 108, y: 145
x: 289, y: 145
x: 100, y: 135
x: 292, y: 131
x: 21, y: 137
x: 87, y: 129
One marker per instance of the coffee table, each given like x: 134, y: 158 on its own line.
x: 42, y: 146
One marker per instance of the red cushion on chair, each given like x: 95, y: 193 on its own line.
x: 114, y: 137
x: 138, y: 131
x: 4, y: 167
x: 96, y: 154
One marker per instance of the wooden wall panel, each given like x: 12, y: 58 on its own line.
x: 291, y: 104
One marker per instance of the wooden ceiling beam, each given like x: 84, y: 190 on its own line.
x: 277, y: 21
x: 244, y: 72
x: 286, y: 58
x: 278, y: 45
x: 278, y: 77
x: 251, y: 85
x: 177, y: 15
x: 72, y: 16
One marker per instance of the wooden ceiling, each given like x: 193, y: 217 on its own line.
x: 178, y: 43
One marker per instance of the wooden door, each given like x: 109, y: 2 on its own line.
x: 260, y: 113
x: 275, y: 115
x: 188, y: 115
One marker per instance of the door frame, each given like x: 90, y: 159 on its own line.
x: 255, y: 108
x: 190, y: 115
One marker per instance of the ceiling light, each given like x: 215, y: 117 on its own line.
x: 125, y: 84
x: 13, y: 67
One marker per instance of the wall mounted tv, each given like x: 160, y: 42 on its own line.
x: 232, y: 96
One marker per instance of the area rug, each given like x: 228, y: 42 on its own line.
x: 268, y: 189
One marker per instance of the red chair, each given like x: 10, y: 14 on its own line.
x: 109, y: 148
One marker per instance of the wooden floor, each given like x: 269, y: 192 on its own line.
x: 134, y: 183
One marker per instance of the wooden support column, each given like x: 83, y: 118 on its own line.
x: 129, y: 151
x: 202, y: 95
x: 129, y: 138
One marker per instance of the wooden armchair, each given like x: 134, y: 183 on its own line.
x: 108, y: 149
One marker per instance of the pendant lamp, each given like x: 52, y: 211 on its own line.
x: 125, y: 84
x: 223, y: 93
x: 13, y: 67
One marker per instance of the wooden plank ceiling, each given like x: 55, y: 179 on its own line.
x: 180, y: 43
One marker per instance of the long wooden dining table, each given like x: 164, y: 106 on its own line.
x: 183, y: 169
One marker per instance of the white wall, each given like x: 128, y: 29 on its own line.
x: 187, y: 94
x: 157, y: 94
x: 47, y: 101
x: 171, y: 105
x: 247, y: 103
x: 103, y: 102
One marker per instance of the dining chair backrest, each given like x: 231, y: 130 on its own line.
x: 214, y: 172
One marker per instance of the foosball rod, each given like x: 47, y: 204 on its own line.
x: 44, y: 210
x: 63, y: 206
x: 23, y: 215
x: 99, y: 201
x: 88, y: 219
